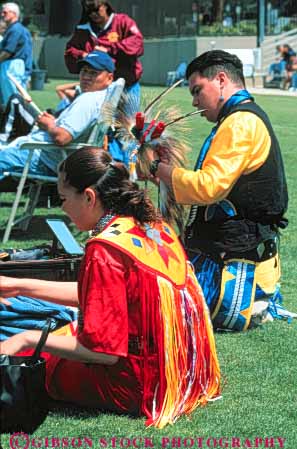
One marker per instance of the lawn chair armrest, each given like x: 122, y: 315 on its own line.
x: 52, y: 146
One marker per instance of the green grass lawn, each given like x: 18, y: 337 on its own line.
x: 259, y: 367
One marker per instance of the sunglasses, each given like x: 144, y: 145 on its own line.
x: 93, y: 9
x: 86, y: 71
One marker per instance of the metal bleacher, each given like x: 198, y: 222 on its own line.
x: 269, y: 44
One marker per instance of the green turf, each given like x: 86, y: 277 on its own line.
x: 259, y: 368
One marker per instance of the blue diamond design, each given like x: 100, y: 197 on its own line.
x: 136, y: 242
x: 167, y: 230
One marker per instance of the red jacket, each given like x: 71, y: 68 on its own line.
x: 121, y: 38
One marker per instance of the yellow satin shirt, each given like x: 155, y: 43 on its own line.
x: 240, y: 146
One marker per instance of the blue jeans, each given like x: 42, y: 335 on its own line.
x: 12, y: 159
x: 294, y: 80
x: 277, y: 68
x: 16, y: 68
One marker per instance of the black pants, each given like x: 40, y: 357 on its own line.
x: 18, y: 118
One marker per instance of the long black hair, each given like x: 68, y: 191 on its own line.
x: 91, y: 166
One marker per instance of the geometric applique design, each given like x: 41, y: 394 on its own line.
x: 137, y: 242
x: 166, y: 229
x: 166, y: 238
x: 164, y: 254
x: 149, y: 246
x: 157, y: 238
x: 135, y: 230
x: 115, y: 232
x: 233, y: 310
x: 157, y: 246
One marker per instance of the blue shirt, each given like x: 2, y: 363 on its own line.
x: 17, y: 41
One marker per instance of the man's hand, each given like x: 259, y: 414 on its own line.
x: 162, y: 153
x: 46, y: 121
x: 164, y: 173
x: 164, y: 169
x: 100, y: 48
x: 141, y: 176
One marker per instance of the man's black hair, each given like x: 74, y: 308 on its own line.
x: 211, y: 62
x: 94, y: 4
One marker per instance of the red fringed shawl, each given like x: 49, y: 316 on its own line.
x: 175, y: 322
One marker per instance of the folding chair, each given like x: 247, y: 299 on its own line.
x: 177, y: 74
x: 96, y: 138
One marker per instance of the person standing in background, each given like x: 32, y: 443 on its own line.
x: 16, y: 52
x: 2, y: 30
x: 101, y: 28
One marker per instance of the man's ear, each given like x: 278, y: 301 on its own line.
x: 222, y: 77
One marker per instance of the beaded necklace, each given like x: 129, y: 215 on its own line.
x: 102, y: 222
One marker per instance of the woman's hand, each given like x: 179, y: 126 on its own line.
x: 17, y: 343
x: 62, y: 346
x: 64, y: 293
x: 9, y: 287
x: 5, y: 302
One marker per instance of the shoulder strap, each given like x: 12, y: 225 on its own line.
x: 253, y: 108
x: 45, y: 331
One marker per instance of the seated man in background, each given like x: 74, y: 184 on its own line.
x: 277, y: 68
x: 20, y: 116
x: 292, y: 73
x: 73, y: 124
x: 289, y: 56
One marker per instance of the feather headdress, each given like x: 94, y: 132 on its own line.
x: 147, y: 132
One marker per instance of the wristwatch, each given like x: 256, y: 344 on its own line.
x: 154, y: 167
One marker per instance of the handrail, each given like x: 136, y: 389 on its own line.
x: 269, y: 44
x: 280, y: 36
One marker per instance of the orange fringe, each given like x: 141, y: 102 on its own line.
x: 191, y: 367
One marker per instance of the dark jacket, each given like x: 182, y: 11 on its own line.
x: 123, y: 41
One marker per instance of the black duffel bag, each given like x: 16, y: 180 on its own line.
x: 23, y: 396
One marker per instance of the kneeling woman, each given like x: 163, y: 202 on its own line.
x: 144, y: 342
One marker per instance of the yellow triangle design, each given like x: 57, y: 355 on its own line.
x: 245, y: 313
x: 228, y: 276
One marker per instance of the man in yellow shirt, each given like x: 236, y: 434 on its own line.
x: 238, y: 194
